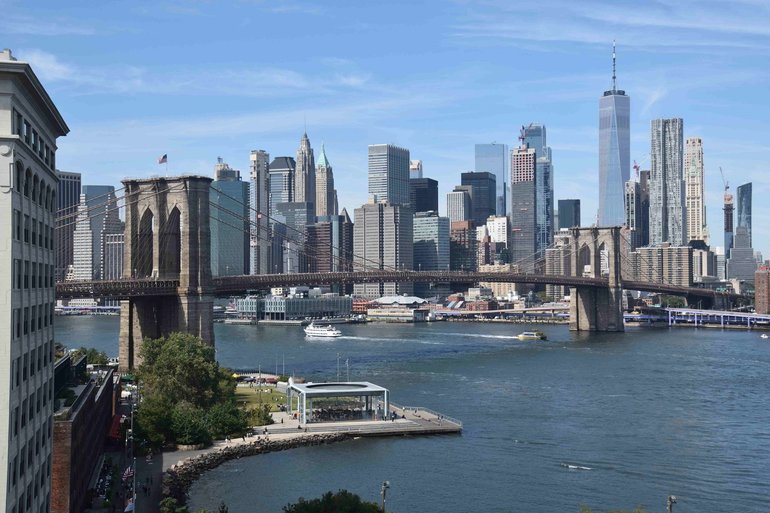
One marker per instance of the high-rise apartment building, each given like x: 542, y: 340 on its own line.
x: 483, y: 195
x: 389, y: 173
x: 668, y: 217
x: 431, y: 250
x: 324, y: 182
x: 523, y: 203
x: 230, y: 222
x: 569, y: 213
x: 493, y: 158
x: 664, y: 263
x: 383, y: 238
x: 462, y: 246
x: 633, y: 209
x: 423, y: 194
x: 762, y: 290
x: 67, y: 199
x: 743, y: 193
x: 259, y: 212
x: 458, y: 204
x: 535, y: 136
x: 614, y: 151
x: 304, y: 183
x: 29, y: 126
x: 694, y: 185
x: 415, y: 169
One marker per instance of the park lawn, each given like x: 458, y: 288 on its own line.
x: 250, y: 397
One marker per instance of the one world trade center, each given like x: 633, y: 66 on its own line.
x: 614, y: 152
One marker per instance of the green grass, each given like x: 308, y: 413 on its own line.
x: 251, y: 397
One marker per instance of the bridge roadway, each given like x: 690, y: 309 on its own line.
x: 232, y: 285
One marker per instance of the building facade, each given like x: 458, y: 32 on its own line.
x: 389, y: 173
x: 423, y: 194
x: 304, y: 183
x: 29, y: 127
x: 431, y: 251
x: 743, y: 193
x: 633, y: 209
x: 493, y: 158
x: 694, y: 185
x: 535, y: 136
x: 483, y: 195
x: 569, y: 213
x: 415, y: 169
x: 762, y: 290
x: 383, y: 238
x: 741, y: 263
x: 330, y: 241
x: 462, y: 246
x: 523, y: 211
x: 666, y: 264
x: 230, y: 222
x: 668, y: 217
x: 324, y: 182
x: 67, y: 199
x: 458, y: 204
x: 290, y: 236
x: 614, y: 152
x: 259, y: 212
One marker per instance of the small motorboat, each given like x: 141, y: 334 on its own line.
x: 531, y: 335
x: 764, y: 335
x: 313, y: 330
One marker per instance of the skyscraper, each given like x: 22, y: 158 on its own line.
x: 30, y: 123
x: 97, y: 198
x: 614, y: 151
x: 230, y: 222
x: 535, y: 136
x: 483, y: 195
x: 324, y: 181
x: 462, y: 246
x: 694, y: 195
x: 67, y: 199
x: 330, y: 240
x: 431, y: 250
x: 744, y: 208
x: 741, y: 264
x: 633, y: 208
x: 415, y: 169
x: 389, y: 173
x: 644, y: 207
x: 423, y: 194
x: 304, y: 183
x: 728, y: 222
x: 291, y: 222
x: 458, y: 204
x: 523, y: 203
x: 493, y: 158
x: 668, y: 221
x: 281, y: 181
x: 569, y: 213
x: 383, y: 239
x: 259, y: 212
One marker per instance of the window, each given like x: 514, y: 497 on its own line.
x: 40, y: 234
x: 26, y: 228
x: 23, y: 420
x: 33, y: 328
x: 16, y: 273
x: 18, y: 126
x: 26, y: 330
x: 27, y: 132
x: 26, y: 274
x: 17, y: 224
x: 34, y: 232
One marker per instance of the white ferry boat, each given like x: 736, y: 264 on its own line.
x: 313, y: 330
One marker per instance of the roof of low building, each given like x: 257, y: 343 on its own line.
x: 400, y: 300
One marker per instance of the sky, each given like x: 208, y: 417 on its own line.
x: 202, y: 79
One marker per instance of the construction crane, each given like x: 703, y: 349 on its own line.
x: 637, y: 167
x: 725, y: 182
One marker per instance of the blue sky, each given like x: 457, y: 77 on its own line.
x: 202, y: 79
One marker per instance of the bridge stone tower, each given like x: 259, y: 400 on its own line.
x: 596, y: 253
x: 167, y: 236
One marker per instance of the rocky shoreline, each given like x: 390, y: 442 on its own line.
x: 178, y: 479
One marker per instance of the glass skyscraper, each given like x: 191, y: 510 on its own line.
x: 535, y: 136
x: 389, y: 173
x: 744, y: 208
x: 614, y: 152
x: 493, y: 158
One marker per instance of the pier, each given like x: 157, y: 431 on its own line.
x: 717, y: 319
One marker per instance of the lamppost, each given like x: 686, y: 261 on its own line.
x: 670, y: 503
x: 384, y: 491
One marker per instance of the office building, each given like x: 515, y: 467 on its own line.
x: 633, y: 209
x: 727, y: 214
x: 668, y: 222
x: 558, y: 262
x: 721, y: 260
x: 741, y: 263
x: 523, y: 203
x: 762, y: 290
x: 569, y: 213
x: 458, y: 204
x: 694, y: 187
x: 431, y: 251
x: 743, y: 197
x: 535, y: 136
x: 389, y: 174
x: 643, y: 230
x: 462, y: 246
x: 330, y: 241
x: 614, y: 151
x: 704, y: 263
x: 230, y: 222
x: 83, y: 268
x: 29, y: 126
x: 483, y: 195
x: 97, y: 218
x: 67, y: 199
x: 383, y: 238
x: 415, y: 169
x: 290, y: 236
x: 281, y: 173
x: 493, y: 158
x: 259, y: 212
x: 114, y: 244
x: 304, y: 177
x: 324, y: 182
x: 423, y: 194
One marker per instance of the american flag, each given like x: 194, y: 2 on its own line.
x: 163, y: 159
x: 128, y: 473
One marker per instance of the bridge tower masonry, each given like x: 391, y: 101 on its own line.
x: 596, y: 253
x: 167, y: 236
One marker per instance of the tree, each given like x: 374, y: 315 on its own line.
x: 341, y: 502
x: 93, y: 356
x: 171, y: 505
x: 226, y: 418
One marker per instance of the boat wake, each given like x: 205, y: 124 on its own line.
x: 569, y: 466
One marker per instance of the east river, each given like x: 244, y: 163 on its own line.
x: 607, y: 420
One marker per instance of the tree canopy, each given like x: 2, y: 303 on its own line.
x: 341, y: 502
x: 93, y: 356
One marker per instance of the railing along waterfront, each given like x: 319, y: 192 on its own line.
x: 417, y: 409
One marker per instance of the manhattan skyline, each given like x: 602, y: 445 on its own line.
x: 137, y: 82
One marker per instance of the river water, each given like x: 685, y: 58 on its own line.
x: 607, y: 420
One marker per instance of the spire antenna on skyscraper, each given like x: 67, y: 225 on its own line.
x: 613, y: 66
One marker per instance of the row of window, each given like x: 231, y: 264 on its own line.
x: 27, y: 133
x: 32, y: 275
x: 31, y: 319
x: 42, y: 357
x: 34, y: 188
x: 32, y: 231
x: 37, y: 485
